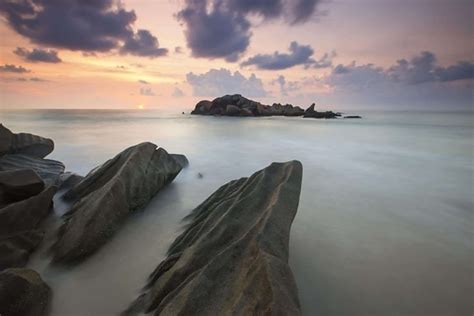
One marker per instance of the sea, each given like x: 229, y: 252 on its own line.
x: 385, y: 221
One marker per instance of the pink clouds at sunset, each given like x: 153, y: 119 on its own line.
x: 326, y: 50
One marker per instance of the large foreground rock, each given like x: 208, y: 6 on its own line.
x: 23, y: 293
x: 24, y: 143
x: 25, y: 203
x: 233, y: 257
x: 105, y: 197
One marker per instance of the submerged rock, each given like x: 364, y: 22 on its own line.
x: 23, y: 293
x: 233, y: 257
x: 49, y: 170
x: 24, y: 143
x: 311, y: 112
x: 352, y: 117
x: 105, y: 197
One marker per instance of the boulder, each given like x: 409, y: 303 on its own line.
x: 23, y: 293
x: 49, y: 170
x: 104, y: 198
x: 17, y: 185
x: 24, y: 143
x: 232, y: 259
x: 202, y: 107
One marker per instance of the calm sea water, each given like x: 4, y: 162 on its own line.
x: 384, y: 226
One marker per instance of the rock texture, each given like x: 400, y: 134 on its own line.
x: 233, y: 257
x: 23, y: 293
x: 108, y: 194
x: 237, y: 105
x: 311, y: 112
x: 25, y: 202
x: 49, y: 170
x: 24, y: 143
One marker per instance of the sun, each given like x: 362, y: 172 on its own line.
x: 140, y: 107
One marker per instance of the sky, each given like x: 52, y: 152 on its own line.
x: 169, y: 54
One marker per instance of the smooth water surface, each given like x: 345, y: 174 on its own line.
x: 384, y: 226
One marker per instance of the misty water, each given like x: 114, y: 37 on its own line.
x: 384, y: 225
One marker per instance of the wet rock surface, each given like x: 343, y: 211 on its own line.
x: 232, y: 259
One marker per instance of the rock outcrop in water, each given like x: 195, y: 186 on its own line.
x: 24, y: 143
x: 233, y: 257
x: 311, y: 112
x: 237, y: 105
x: 23, y: 293
x: 104, y: 198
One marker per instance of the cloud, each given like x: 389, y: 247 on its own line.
x: 299, y: 55
x: 215, y: 33
x: 286, y: 86
x: 38, y: 55
x: 222, y: 28
x: 217, y: 82
x: 144, y: 44
x: 146, y: 92
x: 36, y: 79
x: 178, y: 93
x: 418, y: 80
x: 419, y: 69
x: 143, y: 81
x: 178, y: 50
x: 13, y: 68
x: 78, y: 25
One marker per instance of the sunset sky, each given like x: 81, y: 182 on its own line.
x: 169, y: 54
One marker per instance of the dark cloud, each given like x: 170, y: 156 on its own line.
x: 215, y: 33
x: 298, y: 55
x: 146, y: 92
x: 38, y: 55
x: 143, y: 81
x: 178, y: 50
x: 217, y: 82
x: 417, y: 81
x: 13, y: 68
x: 144, y: 44
x: 36, y: 79
x: 178, y: 93
x: 419, y: 69
x: 222, y: 28
x: 79, y: 25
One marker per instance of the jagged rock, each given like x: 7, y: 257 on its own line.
x: 49, y: 170
x: 233, y: 257
x: 17, y: 185
x: 311, y: 112
x: 23, y: 293
x: 105, y: 197
x: 24, y: 143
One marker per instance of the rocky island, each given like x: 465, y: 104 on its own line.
x: 237, y: 105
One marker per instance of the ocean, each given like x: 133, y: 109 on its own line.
x: 385, y: 221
